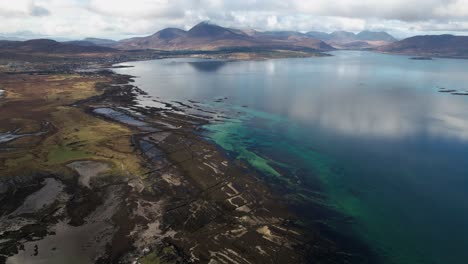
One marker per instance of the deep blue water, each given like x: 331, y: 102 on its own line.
x: 372, y: 130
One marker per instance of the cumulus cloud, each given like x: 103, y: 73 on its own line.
x: 21, y: 8
x: 138, y: 8
x: 38, y: 11
x: 121, y: 18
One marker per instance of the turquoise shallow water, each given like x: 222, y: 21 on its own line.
x: 387, y: 149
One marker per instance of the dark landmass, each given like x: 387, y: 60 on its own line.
x: 87, y: 42
x: 452, y: 91
x: 49, y: 46
x: 83, y: 43
x: 447, y: 90
x: 421, y: 58
x: 70, y: 54
x: 430, y: 46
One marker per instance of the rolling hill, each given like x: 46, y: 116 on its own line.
x: 101, y: 42
x: 50, y: 47
x: 430, y: 45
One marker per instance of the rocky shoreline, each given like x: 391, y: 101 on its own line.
x: 189, y: 202
x: 192, y: 202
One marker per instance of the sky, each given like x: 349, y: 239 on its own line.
x: 117, y: 19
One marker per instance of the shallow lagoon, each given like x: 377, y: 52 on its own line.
x: 388, y: 149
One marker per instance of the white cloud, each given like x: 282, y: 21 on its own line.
x: 119, y: 18
x: 21, y: 8
x: 138, y: 8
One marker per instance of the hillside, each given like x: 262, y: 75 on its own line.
x: 430, y: 45
x: 101, y: 42
x: 50, y: 47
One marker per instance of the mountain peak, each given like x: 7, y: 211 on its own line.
x: 206, y: 23
x: 342, y: 36
x: 207, y: 29
x: 374, y: 36
x: 342, y: 33
x: 170, y: 33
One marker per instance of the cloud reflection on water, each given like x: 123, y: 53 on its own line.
x: 365, y: 112
x: 355, y: 94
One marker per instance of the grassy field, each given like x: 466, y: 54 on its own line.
x: 35, y: 103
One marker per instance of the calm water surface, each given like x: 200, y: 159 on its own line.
x: 388, y: 149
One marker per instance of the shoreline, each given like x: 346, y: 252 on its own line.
x: 192, y: 198
x: 411, y: 55
x: 212, y: 194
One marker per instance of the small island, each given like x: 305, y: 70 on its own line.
x: 444, y: 90
x: 460, y: 93
x: 421, y: 58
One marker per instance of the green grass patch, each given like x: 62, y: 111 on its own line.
x: 150, y: 259
x: 60, y: 155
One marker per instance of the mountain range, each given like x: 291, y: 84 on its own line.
x: 349, y: 40
x: 207, y: 36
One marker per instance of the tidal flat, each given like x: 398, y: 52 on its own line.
x: 98, y: 178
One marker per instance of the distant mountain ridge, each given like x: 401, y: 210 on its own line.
x: 208, y: 36
x: 367, y: 35
x: 101, y: 42
x: 89, y: 42
x: 50, y: 46
x: 430, y: 45
x: 349, y: 40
